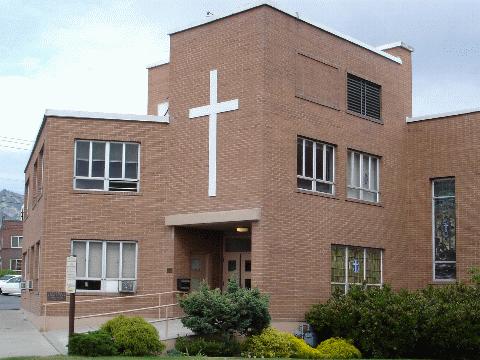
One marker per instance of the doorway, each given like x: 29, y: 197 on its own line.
x: 237, y: 259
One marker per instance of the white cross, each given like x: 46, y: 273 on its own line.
x: 212, y: 110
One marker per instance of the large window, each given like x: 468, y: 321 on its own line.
x: 356, y: 266
x: 363, y: 97
x: 16, y: 264
x: 363, y: 176
x: 444, y: 229
x: 100, y: 264
x: 315, y: 166
x: 16, y: 241
x: 108, y: 166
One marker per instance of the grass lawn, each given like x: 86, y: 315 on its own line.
x: 65, y: 357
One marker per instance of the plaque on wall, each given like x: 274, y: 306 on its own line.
x: 56, y: 296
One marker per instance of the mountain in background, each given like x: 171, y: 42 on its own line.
x: 10, y: 205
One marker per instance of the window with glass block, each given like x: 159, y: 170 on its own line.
x: 315, y: 166
x: 353, y: 265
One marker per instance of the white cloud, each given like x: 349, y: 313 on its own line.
x: 98, y: 64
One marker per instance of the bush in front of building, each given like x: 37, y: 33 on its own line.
x: 94, y: 343
x: 272, y: 343
x: 237, y: 311
x: 134, y: 336
x: 199, y: 346
x: 441, y: 322
x: 337, y: 348
x: 4, y: 272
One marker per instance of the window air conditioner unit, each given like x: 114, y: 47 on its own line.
x: 30, y: 284
x: 127, y: 286
x: 23, y: 285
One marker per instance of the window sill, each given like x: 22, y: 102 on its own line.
x: 364, y: 202
x: 442, y: 282
x: 102, y: 192
x: 377, y: 121
x: 316, y: 193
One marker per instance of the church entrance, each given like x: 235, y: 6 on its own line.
x: 237, y: 260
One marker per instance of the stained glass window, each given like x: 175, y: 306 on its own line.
x: 444, y: 225
x: 355, y: 266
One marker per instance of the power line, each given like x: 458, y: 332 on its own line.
x: 13, y: 147
x: 17, y: 139
x: 15, y: 142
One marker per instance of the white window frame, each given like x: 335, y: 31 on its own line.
x: 434, y: 262
x: 346, y: 284
x: 19, y: 239
x: 106, y: 178
x: 16, y: 261
x: 361, y: 188
x: 314, y: 179
x: 103, y: 277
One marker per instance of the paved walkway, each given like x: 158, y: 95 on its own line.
x: 18, y: 337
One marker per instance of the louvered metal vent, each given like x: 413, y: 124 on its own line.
x: 363, y: 97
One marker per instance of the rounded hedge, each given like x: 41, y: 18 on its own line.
x: 94, y: 343
x: 337, y: 348
x: 133, y: 336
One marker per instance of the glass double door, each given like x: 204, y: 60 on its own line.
x: 237, y: 266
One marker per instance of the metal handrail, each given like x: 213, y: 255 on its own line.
x: 159, y: 307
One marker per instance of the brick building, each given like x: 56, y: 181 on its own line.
x: 276, y: 152
x: 11, y: 237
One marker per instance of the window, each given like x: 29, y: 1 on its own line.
x: 363, y: 176
x: 444, y: 229
x: 103, y: 263
x: 16, y: 264
x: 107, y: 166
x: 315, y: 166
x: 16, y: 241
x: 363, y: 97
x: 38, y: 175
x: 356, y: 266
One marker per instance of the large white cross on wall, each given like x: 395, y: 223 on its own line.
x: 212, y: 110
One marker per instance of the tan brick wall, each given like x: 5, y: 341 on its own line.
x: 446, y: 147
x: 257, y: 57
x: 9, y: 228
x: 158, y: 91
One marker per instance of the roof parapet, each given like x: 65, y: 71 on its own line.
x: 271, y: 4
x: 441, y: 115
x: 394, y: 45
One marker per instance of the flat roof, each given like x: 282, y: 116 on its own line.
x: 441, y: 115
x: 256, y: 4
x: 88, y: 115
x: 104, y: 116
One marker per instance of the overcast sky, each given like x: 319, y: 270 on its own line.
x: 91, y: 55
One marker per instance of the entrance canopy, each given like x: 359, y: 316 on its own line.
x: 213, y: 219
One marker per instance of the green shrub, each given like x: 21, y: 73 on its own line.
x: 336, y: 348
x: 211, y: 313
x: 134, y: 336
x: 270, y: 343
x: 4, y: 272
x: 207, y: 347
x: 442, y: 322
x: 95, y: 343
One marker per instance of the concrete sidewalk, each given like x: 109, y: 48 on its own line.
x: 18, y: 337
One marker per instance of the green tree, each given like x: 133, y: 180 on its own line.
x: 212, y: 313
